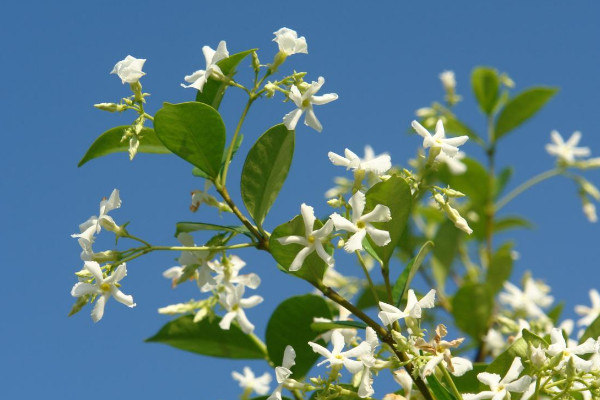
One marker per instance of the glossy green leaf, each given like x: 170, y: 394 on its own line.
x: 555, y: 313
x: 522, y: 107
x: 500, y: 268
x: 265, y: 170
x: 207, y: 338
x: 188, y: 227
x: 455, y: 126
x: 446, y: 241
x: 501, y: 180
x: 403, y: 282
x: 486, y: 84
x: 371, y: 251
x: 503, y: 362
x: 472, y: 308
x: 592, y: 331
x: 327, y: 326
x: 534, y: 339
x: 395, y: 194
x: 238, y: 142
x: 366, y: 298
x: 314, y: 267
x: 193, y: 131
x: 440, y: 392
x: 214, y: 90
x: 511, y: 222
x: 110, y: 142
x: 290, y: 325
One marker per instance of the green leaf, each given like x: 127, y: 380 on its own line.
x: 207, y: 338
x: 522, y: 107
x: 446, y: 241
x: 485, y: 84
x: 501, y: 180
x: 440, y: 392
x: 533, y: 339
x: 455, y: 126
x: 395, y: 194
x: 238, y: 142
x: 265, y: 170
x: 472, y: 308
x: 592, y: 331
x: 371, y: 251
x: 468, y: 382
x: 213, y: 91
x: 193, y: 131
x: 110, y: 142
x: 555, y: 313
x: 503, y: 362
x: 500, y: 268
x: 403, y: 282
x: 188, y: 227
x: 290, y: 325
x: 366, y: 299
x: 327, y: 326
x: 474, y: 182
x: 313, y: 267
x: 511, y: 222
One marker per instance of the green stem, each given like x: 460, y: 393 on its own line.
x: 148, y: 116
x: 233, y: 141
x: 138, y: 239
x: 362, y: 263
x: 450, y: 381
x: 263, y: 348
x: 526, y: 185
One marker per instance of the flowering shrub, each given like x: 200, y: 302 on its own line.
x: 436, y: 217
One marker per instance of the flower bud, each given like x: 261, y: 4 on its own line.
x: 335, y: 203
x: 106, y: 256
x: 279, y: 59
x: 110, y: 107
x: 340, y: 243
x: 537, y: 355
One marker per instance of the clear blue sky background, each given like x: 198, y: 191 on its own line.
x: 382, y: 58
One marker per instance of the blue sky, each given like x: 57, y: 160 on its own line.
x: 382, y: 59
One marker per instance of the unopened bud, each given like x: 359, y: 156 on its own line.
x: 590, y: 189
x: 255, y: 61
x: 425, y: 112
x: 106, y: 256
x: 537, y: 355
x: 453, y: 193
x: 279, y: 59
x: 340, y: 243
x: 335, y: 203
x: 110, y: 107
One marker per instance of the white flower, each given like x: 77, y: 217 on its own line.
x: 361, y: 224
x: 337, y: 358
x: 390, y: 314
x: 589, y: 210
x: 129, y: 69
x: 573, y: 351
x: 501, y: 388
x: 403, y: 379
x: 343, y: 185
x: 448, y: 80
x: 494, y: 342
x: 589, y: 314
x: 250, y: 382
x: 370, y: 163
x: 198, y: 259
x: 348, y: 333
x: 530, y: 300
x: 440, y: 351
x: 200, y: 77
x: 304, y: 102
x: 233, y: 302
x: 312, y: 241
x: 94, y: 224
x: 289, y: 42
x: 566, y: 151
x: 448, y: 146
x: 365, y: 388
x: 454, y: 164
x: 282, y: 373
x: 228, y: 272
x: 104, y: 288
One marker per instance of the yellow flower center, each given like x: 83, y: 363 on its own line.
x: 305, y: 103
x: 105, y: 287
x: 339, y: 357
x: 311, y: 239
x: 360, y: 225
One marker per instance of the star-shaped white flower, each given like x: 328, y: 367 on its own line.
x: 200, y: 77
x: 448, y: 146
x: 104, y: 288
x: 195, y: 259
x: 289, y: 42
x: 233, y: 302
x: 440, y: 351
x: 282, y: 373
x: 370, y: 163
x: 454, y: 164
x: 365, y: 388
x: 566, y: 151
x: 361, y: 226
x: 501, y: 388
x: 304, y: 102
x: 390, y: 314
x: 94, y: 224
x: 559, y: 345
x: 530, y: 300
x: 248, y: 381
x: 129, y: 69
x: 589, y: 314
x: 228, y: 272
x: 312, y: 241
x: 337, y: 358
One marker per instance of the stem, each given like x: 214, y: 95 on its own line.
x: 383, y: 334
x: 148, y: 116
x: 526, y: 185
x: 138, y: 239
x: 233, y: 140
x: 263, y: 348
x: 361, y: 261
x: 450, y: 381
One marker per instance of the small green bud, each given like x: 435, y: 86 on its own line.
x: 255, y: 62
x: 79, y: 304
x: 106, y: 256
x: 335, y: 203
x: 340, y: 243
x: 279, y: 59
x: 111, y: 107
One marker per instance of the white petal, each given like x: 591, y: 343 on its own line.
x: 225, y: 323
x: 365, y: 389
x: 291, y: 119
x: 421, y: 130
x: 317, y: 348
x: 342, y: 223
x: 311, y: 120
x: 353, y: 366
x: 336, y: 159
x: 456, y: 141
x: 461, y: 366
x: 289, y: 356
x: 208, y: 54
x: 251, y: 301
x: 486, y: 378
x: 293, y: 240
x: 324, y: 231
x: 295, y: 96
x: 82, y: 289
x: 428, y: 301
x: 300, y: 257
x: 323, y: 254
x: 357, y: 202
x: 98, y: 310
x: 354, y: 243
x: 337, y: 340
x: 514, y: 371
x: 380, y: 213
x: 245, y: 324
x: 378, y: 165
x: 94, y: 268
x: 308, y: 215
x: 324, y: 99
x: 380, y: 237
x: 122, y: 298
x: 120, y: 273
x: 519, y: 385
x: 221, y: 52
